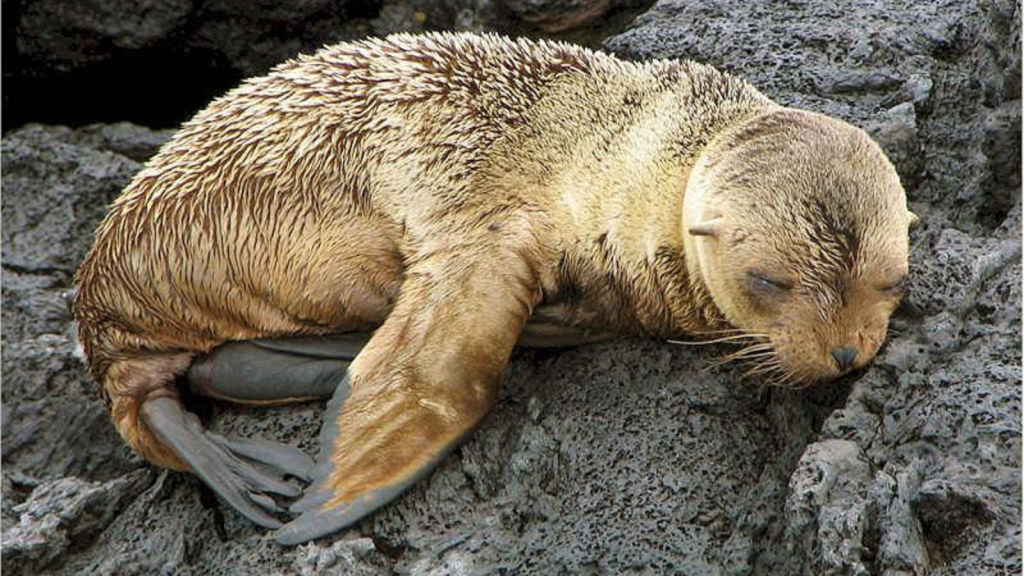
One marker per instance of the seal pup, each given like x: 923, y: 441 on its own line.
x: 382, y: 221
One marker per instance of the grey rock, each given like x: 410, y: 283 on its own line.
x: 952, y: 279
x: 55, y: 193
x: 895, y: 130
x: 64, y: 513
x: 395, y: 18
x: 58, y: 192
x: 344, y: 557
x: 1001, y: 44
x: 271, y: 10
x: 859, y: 82
x: 620, y: 457
x: 918, y: 89
x: 808, y: 54
x: 9, y: 501
x: 1001, y: 145
x: 829, y: 510
x: 34, y: 304
x: 54, y: 424
x: 140, y: 541
x: 248, y: 47
x: 901, y: 547
x: 123, y: 138
x: 558, y: 15
x: 69, y: 35
x: 478, y: 15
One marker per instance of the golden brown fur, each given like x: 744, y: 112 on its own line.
x: 835, y: 231
x: 445, y: 188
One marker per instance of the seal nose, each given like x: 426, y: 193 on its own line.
x: 844, y: 356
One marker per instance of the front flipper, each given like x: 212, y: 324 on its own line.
x: 425, y: 379
x: 245, y: 473
x: 319, y: 516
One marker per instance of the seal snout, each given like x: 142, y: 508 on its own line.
x: 844, y: 357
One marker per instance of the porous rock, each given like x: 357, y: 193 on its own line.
x: 628, y: 456
x: 63, y: 513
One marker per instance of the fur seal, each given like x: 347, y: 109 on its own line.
x: 382, y: 221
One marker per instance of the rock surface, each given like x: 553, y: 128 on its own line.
x: 157, y: 62
x: 623, y: 457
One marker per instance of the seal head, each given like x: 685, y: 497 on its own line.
x: 798, y: 227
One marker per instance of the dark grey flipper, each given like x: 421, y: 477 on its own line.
x: 315, y: 521
x: 275, y: 369
x: 243, y: 472
x: 331, y: 346
x: 315, y: 495
x: 246, y: 472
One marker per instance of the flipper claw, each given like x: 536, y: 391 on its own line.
x: 315, y: 496
x: 281, y: 458
x: 243, y: 473
x: 319, y: 521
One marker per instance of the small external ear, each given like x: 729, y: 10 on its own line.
x: 914, y: 220
x: 707, y: 227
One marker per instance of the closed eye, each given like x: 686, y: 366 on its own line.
x: 897, y: 287
x: 762, y: 283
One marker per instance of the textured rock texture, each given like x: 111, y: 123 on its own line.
x: 158, y: 61
x: 628, y: 457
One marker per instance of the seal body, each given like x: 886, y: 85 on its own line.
x: 455, y: 194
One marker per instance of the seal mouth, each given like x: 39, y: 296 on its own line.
x: 757, y: 353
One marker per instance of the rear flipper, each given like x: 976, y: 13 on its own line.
x: 243, y: 472
x: 275, y: 370
x: 247, y: 473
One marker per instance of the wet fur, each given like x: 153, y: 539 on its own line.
x: 442, y: 187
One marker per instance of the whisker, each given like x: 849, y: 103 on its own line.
x: 772, y: 370
x: 758, y: 354
x: 729, y: 359
x: 716, y: 340
x: 771, y: 363
x: 723, y: 331
x: 751, y: 357
x: 763, y: 368
x: 754, y: 349
x: 780, y: 378
x: 794, y: 379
